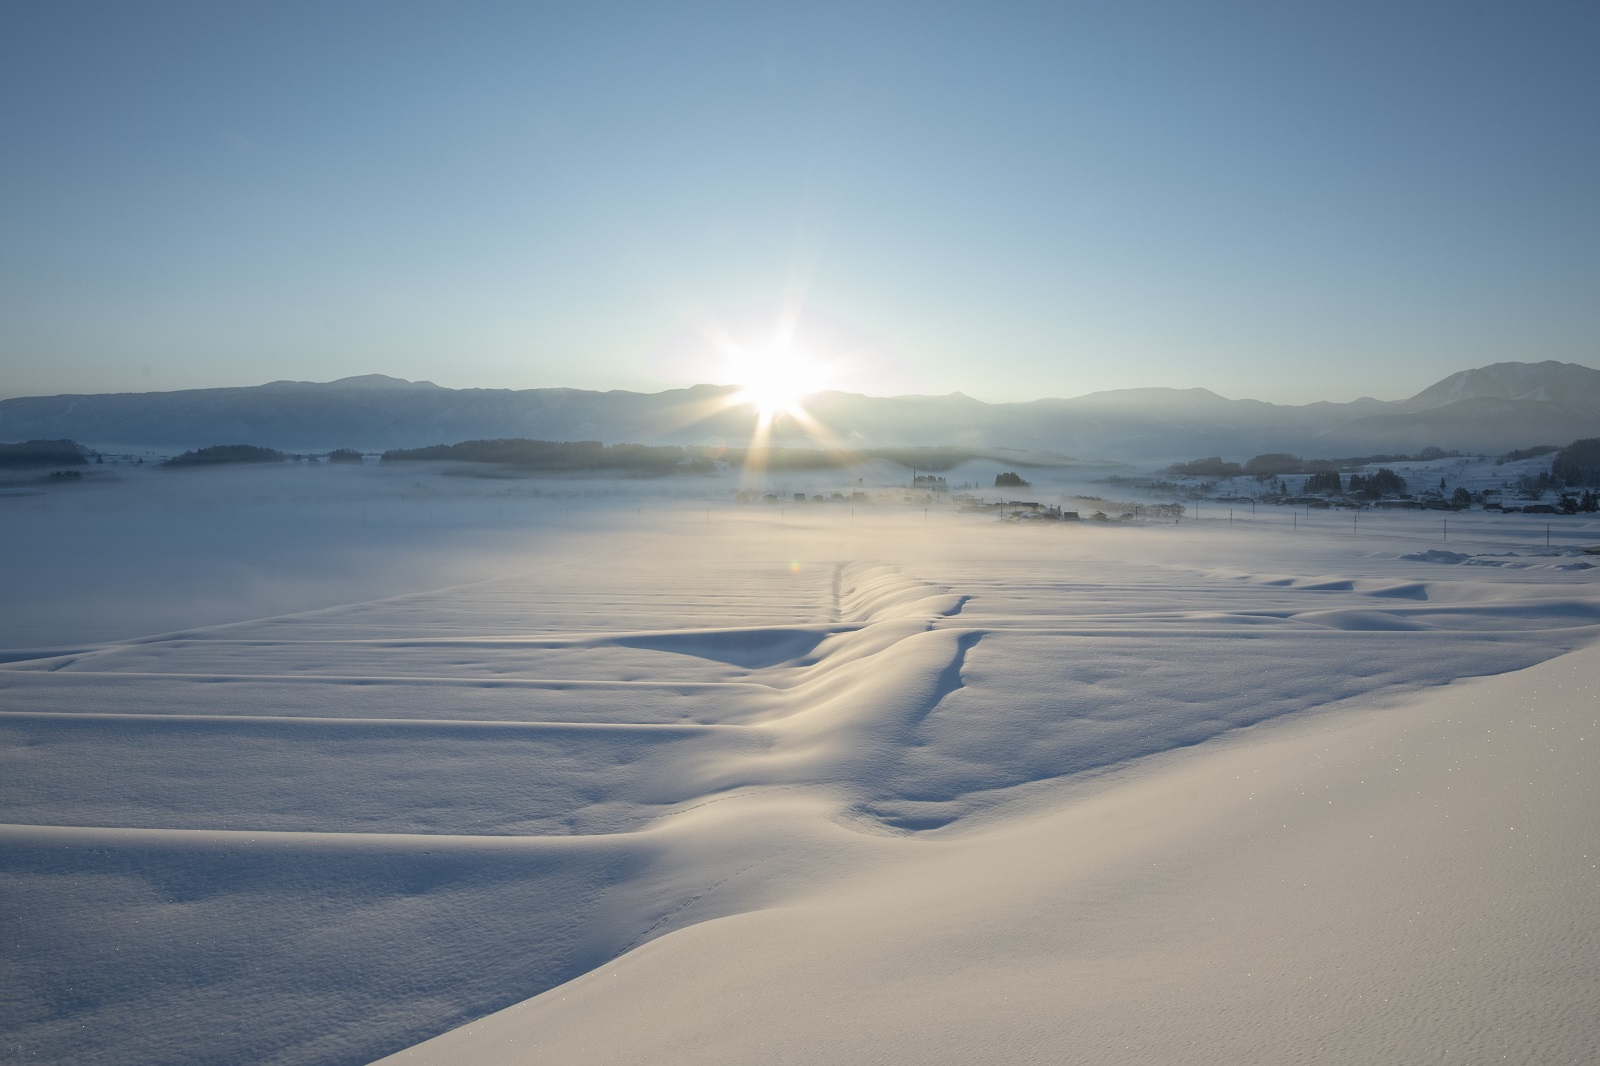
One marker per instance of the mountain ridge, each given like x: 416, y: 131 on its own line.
x: 1493, y: 408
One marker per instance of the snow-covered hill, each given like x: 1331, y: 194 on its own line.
x: 1568, y: 384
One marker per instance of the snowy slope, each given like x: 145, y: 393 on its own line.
x: 1411, y: 885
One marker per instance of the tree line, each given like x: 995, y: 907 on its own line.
x: 1278, y: 464
x: 1372, y: 486
x: 43, y: 453
x: 592, y: 456
x: 1575, y: 466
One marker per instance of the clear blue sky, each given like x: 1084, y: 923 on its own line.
x: 1277, y: 200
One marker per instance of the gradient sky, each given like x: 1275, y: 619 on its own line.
x: 1277, y: 200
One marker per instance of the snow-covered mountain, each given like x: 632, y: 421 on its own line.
x: 1562, y: 383
x: 1492, y: 409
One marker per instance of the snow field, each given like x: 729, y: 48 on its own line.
x: 822, y: 764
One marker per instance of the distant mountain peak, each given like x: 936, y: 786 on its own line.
x: 380, y: 381
x: 359, y: 381
x: 1550, y: 380
x: 1151, y: 394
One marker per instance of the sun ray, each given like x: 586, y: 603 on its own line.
x: 774, y: 372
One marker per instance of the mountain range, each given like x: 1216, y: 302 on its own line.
x: 1490, y: 409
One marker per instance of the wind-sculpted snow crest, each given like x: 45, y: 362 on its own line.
x: 339, y: 784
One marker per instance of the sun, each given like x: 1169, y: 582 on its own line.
x: 775, y: 380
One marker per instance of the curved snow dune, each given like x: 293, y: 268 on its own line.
x: 219, y: 818
x: 348, y: 830
x: 1406, y: 886
x: 164, y: 755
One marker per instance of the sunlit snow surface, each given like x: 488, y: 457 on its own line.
x: 500, y: 740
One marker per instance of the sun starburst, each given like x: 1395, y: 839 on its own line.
x: 775, y: 381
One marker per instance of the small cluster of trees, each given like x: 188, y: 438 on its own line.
x: 1578, y: 463
x: 1010, y: 479
x: 1374, y: 486
x: 1324, y: 481
x: 1212, y: 467
x: 1537, y: 485
x: 567, y: 457
x: 43, y: 453
x: 1275, y: 464
x: 1525, y: 453
x: 218, y: 454
x: 1572, y: 503
x: 223, y: 454
x: 1272, y: 465
x: 1575, y: 466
